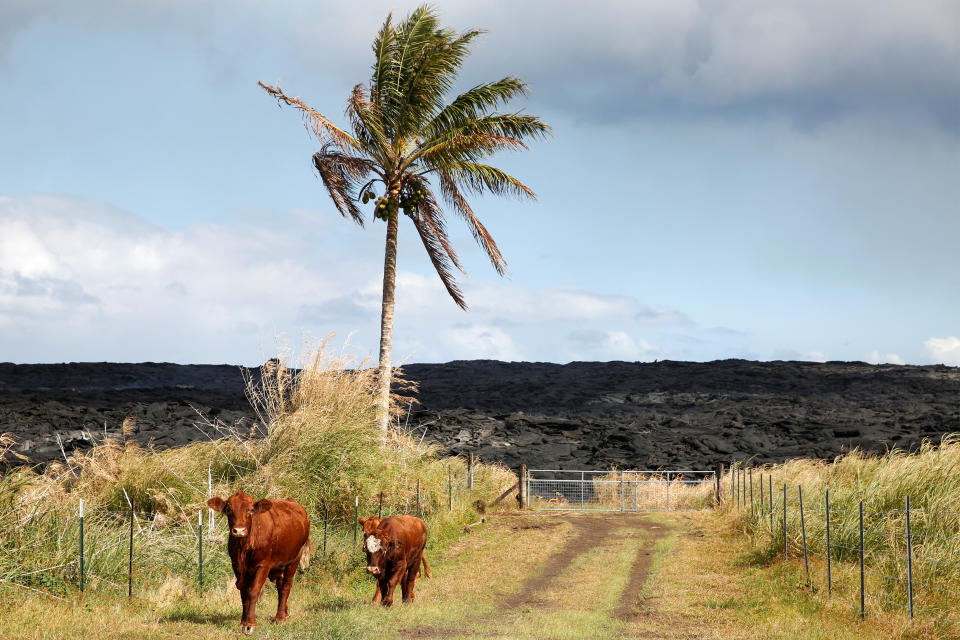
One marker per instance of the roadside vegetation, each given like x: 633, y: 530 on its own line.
x: 315, y: 442
x: 930, y: 476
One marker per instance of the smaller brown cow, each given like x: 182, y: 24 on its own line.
x: 268, y: 539
x: 394, y: 548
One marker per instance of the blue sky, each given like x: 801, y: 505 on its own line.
x: 729, y: 178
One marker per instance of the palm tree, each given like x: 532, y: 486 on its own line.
x: 406, y: 138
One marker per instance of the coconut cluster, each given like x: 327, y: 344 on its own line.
x: 384, y: 207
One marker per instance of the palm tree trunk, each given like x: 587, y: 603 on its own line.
x: 386, y: 322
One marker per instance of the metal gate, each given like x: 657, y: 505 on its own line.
x: 562, y: 489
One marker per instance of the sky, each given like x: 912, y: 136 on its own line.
x: 726, y: 179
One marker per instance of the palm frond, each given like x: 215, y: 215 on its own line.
x: 341, y: 174
x: 478, y: 178
x: 367, y: 125
x: 453, y: 196
x: 476, y: 103
x: 325, y: 130
x: 439, y: 258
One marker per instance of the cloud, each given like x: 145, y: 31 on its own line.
x: 614, y: 345
x: 943, y: 350
x: 884, y: 358
x: 81, y: 280
x: 808, y: 59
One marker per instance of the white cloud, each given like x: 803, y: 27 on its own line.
x: 84, y: 281
x: 884, y: 358
x: 614, y: 345
x: 943, y: 350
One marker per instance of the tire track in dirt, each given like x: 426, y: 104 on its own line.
x: 627, y: 608
x: 591, y: 531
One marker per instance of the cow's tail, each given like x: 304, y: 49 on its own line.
x: 305, y: 554
x: 426, y: 567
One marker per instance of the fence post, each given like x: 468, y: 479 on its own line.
x: 324, y: 529
x: 356, y: 516
x: 130, y: 565
x: 583, y: 489
x: 622, y: 492
x: 760, y: 512
x: 524, y: 498
x: 752, y: 504
x: 784, y: 522
x: 718, y: 488
x: 419, y: 510
x: 470, y: 471
x: 449, y: 489
x: 200, y: 549
x: 770, y: 487
x: 733, y: 483
x: 909, y: 560
x: 803, y: 535
x: 829, y: 550
x: 380, y: 506
x: 863, y: 611
x: 668, y: 491
x: 81, y: 546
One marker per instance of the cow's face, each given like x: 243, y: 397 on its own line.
x: 377, y: 544
x: 239, y: 509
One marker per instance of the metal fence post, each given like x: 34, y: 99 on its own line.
x: 81, y: 546
x: 420, y: 511
x: 583, y: 488
x: 909, y: 560
x: 380, y: 506
x: 784, y: 522
x: 324, y: 529
x: 752, y: 505
x: 829, y: 551
x: 130, y: 564
x: 761, y: 499
x: 356, y: 516
x: 622, y: 496
x: 200, y: 549
x: 733, y: 483
x: 668, y: 491
x: 803, y: 535
x: 770, y: 487
x: 449, y: 489
x: 863, y: 603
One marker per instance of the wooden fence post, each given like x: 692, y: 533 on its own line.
x: 718, y: 486
x: 524, y: 498
x: 470, y: 471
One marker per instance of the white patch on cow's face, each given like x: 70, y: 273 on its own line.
x: 373, y: 544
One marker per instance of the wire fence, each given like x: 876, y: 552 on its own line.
x: 625, y: 490
x: 892, y: 560
x: 56, y: 549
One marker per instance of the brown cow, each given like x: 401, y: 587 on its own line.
x: 268, y: 539
x: 394, y: 548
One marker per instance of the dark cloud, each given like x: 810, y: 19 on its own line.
x: 65, y: 292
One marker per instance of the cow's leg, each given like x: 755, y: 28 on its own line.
x: 376, y: 594
x: 251, y: 595
x: 284, y: 584
x: 409, y: 580
x: 395, y: 576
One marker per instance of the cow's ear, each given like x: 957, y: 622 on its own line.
x: 262, y: 506
x: 217, y: 504
x: 361, y: 521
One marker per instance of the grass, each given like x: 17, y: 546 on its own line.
x: 929, y: 475
x: 314, y: 441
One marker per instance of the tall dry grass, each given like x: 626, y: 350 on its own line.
x: 315, y: 441
x: 930, y: 476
